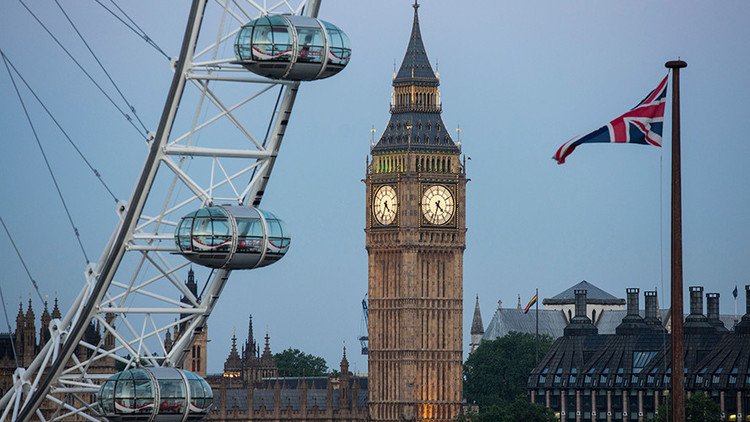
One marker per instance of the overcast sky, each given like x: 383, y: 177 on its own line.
x: 520, y: 78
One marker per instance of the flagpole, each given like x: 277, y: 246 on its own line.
x: 536, y: 336
x: 678, y: 354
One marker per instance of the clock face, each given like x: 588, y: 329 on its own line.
x: 385, y: 205
x: 438, y: 204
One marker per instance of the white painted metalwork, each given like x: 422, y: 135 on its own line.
x: 221, y: 152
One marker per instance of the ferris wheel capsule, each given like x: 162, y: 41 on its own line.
x: 290, y: 47
x: 232, y: 237
x: 155, y: 394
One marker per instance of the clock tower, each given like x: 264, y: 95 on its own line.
x: 415, y: 239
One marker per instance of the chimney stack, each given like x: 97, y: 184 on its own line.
x: 633, y: 301
x: 696, y: 322
x: 712, y: 310
x: 744, y: 326
x: 652, y: 311
x: 581, y: 324
x: 696, y: 300
x: 632, y: 323
x: 580, y: 303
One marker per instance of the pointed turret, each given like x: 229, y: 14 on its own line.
x: 20, y: 323
x: 344, y: 365
x: 477, y: 328
x: 415, y: 123
x: 267, y: 349
x: 249, y: 349
x: 29, y: 336
x: 416, y: 68
x: 44, y: 328
x: 233, y: 364
x: 56, y: 311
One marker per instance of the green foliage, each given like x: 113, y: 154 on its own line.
x: 295, y: 363
x: 497, y: 372
x: 518, y: 410
x: 698, y: 408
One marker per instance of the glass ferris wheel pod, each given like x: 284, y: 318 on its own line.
x: 211, y: 155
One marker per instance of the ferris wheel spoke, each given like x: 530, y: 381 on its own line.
x: 187, y: 180
x: 224, y: 112
x: 215, y: 45
x: 228, y: 113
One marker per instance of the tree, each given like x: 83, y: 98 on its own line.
x: 295, y: 363
x: 497, y: 372
x: 522, y: 410
x: 698, y: 408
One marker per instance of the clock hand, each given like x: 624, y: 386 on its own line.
x: 386, y: 205
x: 437, y: 204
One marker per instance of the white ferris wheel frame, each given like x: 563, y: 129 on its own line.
x: 111, y: 297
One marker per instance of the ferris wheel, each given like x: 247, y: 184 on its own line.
x: 209, y: 161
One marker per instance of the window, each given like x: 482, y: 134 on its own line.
x: 558, y: 376
x: 641, y: 359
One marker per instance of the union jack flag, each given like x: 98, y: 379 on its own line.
x: 641, y: 125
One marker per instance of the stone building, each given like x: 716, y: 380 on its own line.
x: 589, y: 376
x: 28, y: 342
x: 415, y: 238
x: 250, y: 389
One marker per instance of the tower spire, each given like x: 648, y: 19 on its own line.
x: 416, y: 65
x: 415, y: 122
x: 476, y: 323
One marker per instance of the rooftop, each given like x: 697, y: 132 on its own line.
x: 594, y: 295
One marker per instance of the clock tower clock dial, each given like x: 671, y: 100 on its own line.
x: 385, y: 205
x: 438, y: 205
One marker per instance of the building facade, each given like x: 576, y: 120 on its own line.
x: 250, y: 389
x: 588, y: 376
x: 415, y: 239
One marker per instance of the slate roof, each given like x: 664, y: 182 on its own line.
x: 551, y: 323
x: 416, y: 131
x: 416, y: 66
x: 594, y: 295
x: 416, y: 128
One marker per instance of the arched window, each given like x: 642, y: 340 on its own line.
x: 593, y: 316
x: 570, y: 315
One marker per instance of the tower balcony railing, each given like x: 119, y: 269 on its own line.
x: 421, y: 108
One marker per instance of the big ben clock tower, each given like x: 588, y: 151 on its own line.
x: 415, y: 238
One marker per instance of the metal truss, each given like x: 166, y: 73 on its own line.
x: 217, y: 141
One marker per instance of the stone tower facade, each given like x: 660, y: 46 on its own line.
x: 415, y: 239
x: 195, y: 358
